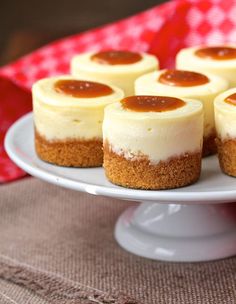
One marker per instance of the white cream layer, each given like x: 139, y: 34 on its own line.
x: 187, y: 60
x: 149, y: 85
x: 59, y: 116
x: 158, y: 136
x: 225, y: 116
x: 122, y: 76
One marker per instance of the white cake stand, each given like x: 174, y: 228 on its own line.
x: 194, y: 223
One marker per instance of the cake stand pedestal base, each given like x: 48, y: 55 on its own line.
x: 174, y: 232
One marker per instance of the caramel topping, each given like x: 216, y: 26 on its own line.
x: 116, y: 57
x: 182, y: 78
x: 82, y: 89
x: 217, y: 53
x: 231, y: 99
x: 151, y: 103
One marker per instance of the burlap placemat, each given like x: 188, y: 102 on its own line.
x: 54, y: 242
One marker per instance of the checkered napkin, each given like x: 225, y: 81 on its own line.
x: 162, y: 30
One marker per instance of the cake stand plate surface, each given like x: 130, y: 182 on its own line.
x: 194, y: 223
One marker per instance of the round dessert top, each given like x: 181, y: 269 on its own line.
x: 151, y: 103
x: 150, y: 84
x: 68, y: 91
x: 154, y: 108
x: 113, y: 62
x: 116, y: 57
x: 231, y: 99
x: 182, y: 78
x: 154, y: 134
x: 208, y: 58
x: 82, y: 88
x: 226, y: 102
x: 217, y: 53
x: 225, y: 114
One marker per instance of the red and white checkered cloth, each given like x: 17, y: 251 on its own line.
x: 162, y: 30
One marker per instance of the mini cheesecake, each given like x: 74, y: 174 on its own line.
x: 68, y: 116
x: 219, y: 60
x: 188, y: 84
x: 119, y: 68
x: 225, y: 118
x: 153, y: 142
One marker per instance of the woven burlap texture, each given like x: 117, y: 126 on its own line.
x: 54, y: 242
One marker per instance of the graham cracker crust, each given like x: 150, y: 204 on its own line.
x: 140, y: 174
x: 71, y: 152
x: 209, y: 145
x: 227, y: 155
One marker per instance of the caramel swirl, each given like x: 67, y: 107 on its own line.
x: 231, y: 99
x: 182, y: 78
x: 151, y: 103
x: 81, y: 88
x: 116, y: 57
x: 217, y: 53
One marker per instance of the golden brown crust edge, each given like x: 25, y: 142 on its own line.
x: 227, y: 155
x: 69, y: 153
x: 140, y: 174
x: 209, y: 145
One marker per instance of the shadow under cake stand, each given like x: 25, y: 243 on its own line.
x: 194, y: 223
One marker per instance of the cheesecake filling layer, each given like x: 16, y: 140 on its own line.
x: 182, y: 78
x: 121, y: 75
x: 157, y: 136
x: 60, y: 116
x: 219, y: 60
x: 81, y: 88
x: 85, y: 62
x: 152, y: 103
x: 149, y: 84
x: 216, y: 53
x: 67, y: 123
x: 190, y: 57
x: 225, y: 115
x: 116, y: 57
x: 231, y: 99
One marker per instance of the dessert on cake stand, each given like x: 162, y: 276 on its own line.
x: 194, y: 223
